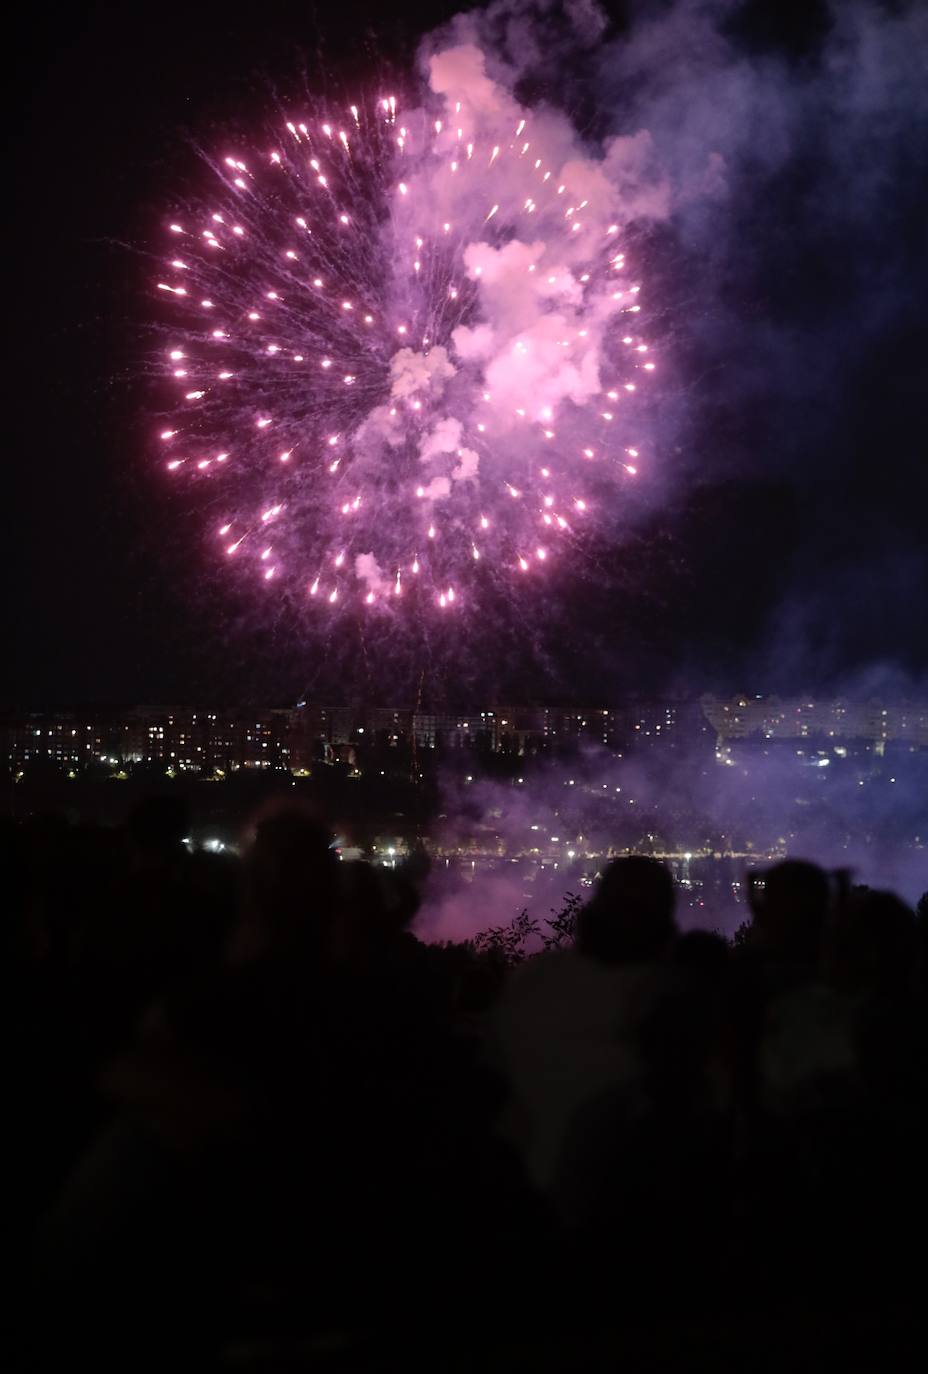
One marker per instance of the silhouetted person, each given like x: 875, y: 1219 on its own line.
x: 647, y: 1155
x: 630, y: 918
x: 568, y: 1022
x: 291, y: 888
x: 790, y: 907
x: 209, y: 1165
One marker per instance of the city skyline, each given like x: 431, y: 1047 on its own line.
x: 544, y: 795
x: 232, y: 738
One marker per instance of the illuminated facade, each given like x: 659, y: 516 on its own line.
x: 875, y: 723
x: 216, y: 742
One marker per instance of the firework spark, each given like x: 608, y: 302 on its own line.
x: 404, y: 347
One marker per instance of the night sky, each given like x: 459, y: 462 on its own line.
x: 789, y: 547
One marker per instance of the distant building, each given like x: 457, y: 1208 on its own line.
x: 216, y: 742
x: 809, y: 718
x: 163, y: 736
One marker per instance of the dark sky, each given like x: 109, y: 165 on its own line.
x: 791, y: 550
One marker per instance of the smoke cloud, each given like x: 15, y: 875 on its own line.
x: 852, y: 812
x: 769, y: 170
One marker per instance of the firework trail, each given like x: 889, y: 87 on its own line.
x: 404, y: 347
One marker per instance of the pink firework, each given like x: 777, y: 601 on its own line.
x: 404, y: 349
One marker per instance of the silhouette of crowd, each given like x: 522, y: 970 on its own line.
x: 255, y: 1123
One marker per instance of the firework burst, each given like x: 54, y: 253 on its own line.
x: 404, y: 348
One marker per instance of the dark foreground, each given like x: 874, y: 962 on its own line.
x: 256, y: 1125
